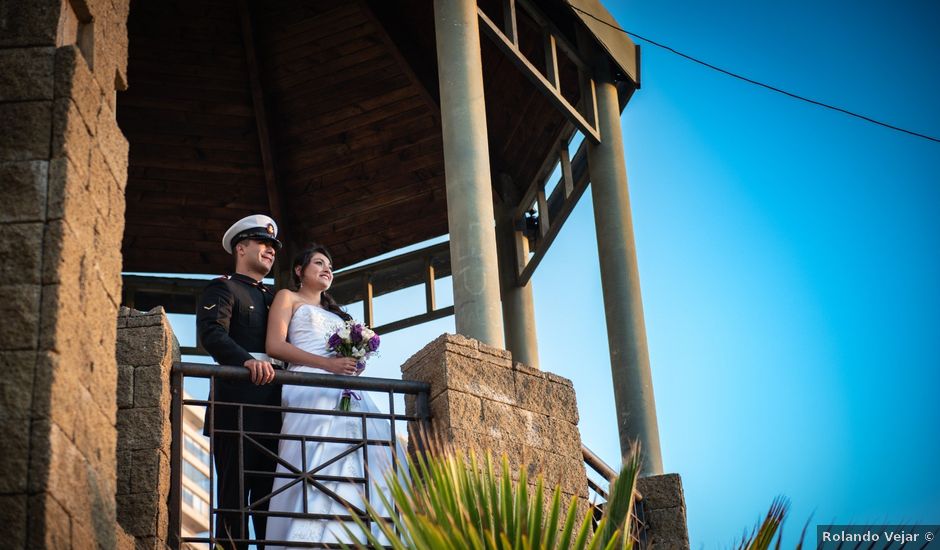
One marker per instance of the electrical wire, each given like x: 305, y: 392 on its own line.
x: 755, y: 82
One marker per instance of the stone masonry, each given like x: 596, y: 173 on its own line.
x: 63, y: 167
x: 664, y: 504
x: 480, y: 400
x: 146, y: 351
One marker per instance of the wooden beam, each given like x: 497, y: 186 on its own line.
x: 551, y: 60
x: 429, y: 285
x: 367, y: 312
x: 545, y: 221
x: 402, y: 61
x: 275, y: 196
x: 415, y: 320
x: 580, y: 175
x: 535, y: 76
x: 510, y: 25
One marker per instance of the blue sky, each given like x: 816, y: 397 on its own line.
x: 789, y: 259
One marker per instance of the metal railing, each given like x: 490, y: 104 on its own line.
x: 416, y: 395
x: 601, y: 468
x: 417, y: 409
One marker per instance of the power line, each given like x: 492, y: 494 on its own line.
x: 755, y: 82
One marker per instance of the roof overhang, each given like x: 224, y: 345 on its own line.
x: 624, y: 54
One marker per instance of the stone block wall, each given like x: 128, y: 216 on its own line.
x: 63, y: 167
x: 664, y: 504
x: 480, y: 400
x: 146, y: 351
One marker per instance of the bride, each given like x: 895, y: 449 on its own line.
x: 299, y: 324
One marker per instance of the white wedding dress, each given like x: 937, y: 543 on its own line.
x: 309, y: 328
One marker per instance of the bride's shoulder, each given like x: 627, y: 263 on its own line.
x: 286, y: 297
x: 286, y: 294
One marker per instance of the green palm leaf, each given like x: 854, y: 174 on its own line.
x: 449, y: 501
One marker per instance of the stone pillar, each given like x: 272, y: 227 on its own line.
x: 620, y: 279
x: 518, y: 304
x: 63, y: 164
x: 467, y: 170
x: 664, y: 504
x: 480, y: 400
x: 146, y: 351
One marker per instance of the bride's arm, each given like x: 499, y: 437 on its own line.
x: 277, y: 346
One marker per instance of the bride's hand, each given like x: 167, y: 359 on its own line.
x: 342, y: 365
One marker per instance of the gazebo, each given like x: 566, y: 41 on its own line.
x: 137, y: 132
x: 370, y: 126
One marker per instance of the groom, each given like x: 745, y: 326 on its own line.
x: 232, y: 320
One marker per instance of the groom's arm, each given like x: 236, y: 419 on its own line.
x: 213, y: 319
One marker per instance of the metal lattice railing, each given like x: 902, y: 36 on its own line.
x: 602, y: 469
x: 183, y: 501
x: 310, y: 478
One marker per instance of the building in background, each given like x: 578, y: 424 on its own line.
x: 196, y: 481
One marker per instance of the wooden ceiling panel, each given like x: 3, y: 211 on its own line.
x: 361, y: 143
x: 351, y: 123
x: 194, y: 160
x: 350, y: 92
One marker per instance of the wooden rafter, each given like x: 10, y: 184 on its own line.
x: 548, y: 86
x: 275, y: 195
x: 392, y: 47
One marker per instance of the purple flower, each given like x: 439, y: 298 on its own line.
x: 355, y: 334
x: 334, y: 341
x: 374, y: 342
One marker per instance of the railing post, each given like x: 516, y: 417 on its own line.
x: 176, y: 456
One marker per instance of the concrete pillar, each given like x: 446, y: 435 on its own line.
x: 518, y: 304
x: 467, y: 168
x: 620, y: 279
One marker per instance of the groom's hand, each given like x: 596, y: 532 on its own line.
x: 261, y: 371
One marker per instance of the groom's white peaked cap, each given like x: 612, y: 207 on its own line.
x: 256, y: 226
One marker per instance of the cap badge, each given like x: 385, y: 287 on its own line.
x: 270, y: 229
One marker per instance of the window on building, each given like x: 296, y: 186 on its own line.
x: 195, y: 502
x: 196, y: 476
x: 196, y: 449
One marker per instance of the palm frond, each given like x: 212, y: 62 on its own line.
x: 763, y: 535
x: 450, y: 501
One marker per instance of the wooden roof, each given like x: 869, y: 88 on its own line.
x: 348, y: 117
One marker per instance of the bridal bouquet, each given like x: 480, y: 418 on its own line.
x: 353, y: 339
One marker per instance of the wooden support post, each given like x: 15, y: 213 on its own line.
x: 588, y: 99
x: 367, y: 313
x: 544, y: 219
x: 429, y: 285
x: 566, y: 177
x: 261, y: 117
x: 551, y: 60
x: 541, y: 83
x: 509, y: 21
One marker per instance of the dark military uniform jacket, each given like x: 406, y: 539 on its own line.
x: 232, y: 320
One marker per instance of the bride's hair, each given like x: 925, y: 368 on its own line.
x: 302, y: 260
